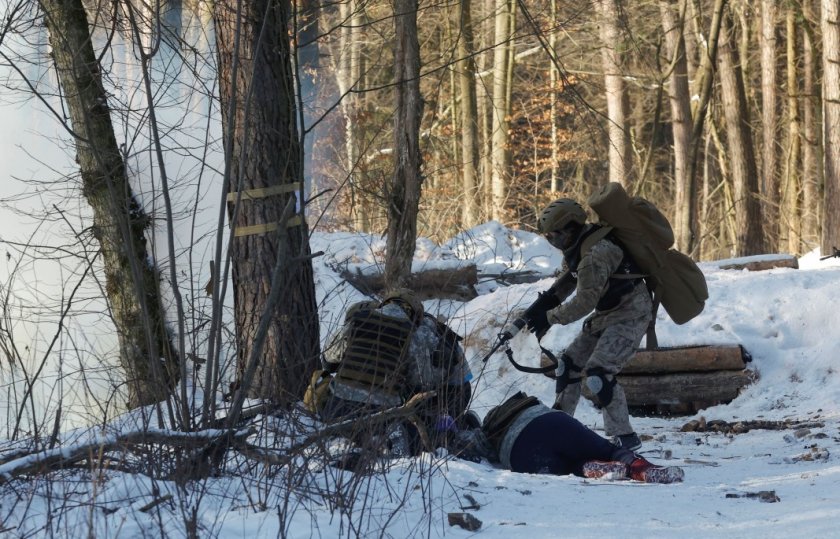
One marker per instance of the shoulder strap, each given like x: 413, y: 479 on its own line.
x: 594, y: 238
x: 502, y: 416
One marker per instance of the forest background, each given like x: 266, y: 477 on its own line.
x: 167, y: 162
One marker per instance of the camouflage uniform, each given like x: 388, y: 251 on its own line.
x: 609, y: 337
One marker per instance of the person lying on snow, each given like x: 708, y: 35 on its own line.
x: 526, y: 436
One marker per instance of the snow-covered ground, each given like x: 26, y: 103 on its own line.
x: 786, y: 318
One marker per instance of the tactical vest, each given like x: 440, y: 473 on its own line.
x: 376, y: 352
x: 499, y: 419
x: 621, y: 282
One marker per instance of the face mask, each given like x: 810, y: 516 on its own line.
x: 561, y: 239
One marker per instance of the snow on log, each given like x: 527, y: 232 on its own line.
x: 760, y: 262
x: 455, y: 282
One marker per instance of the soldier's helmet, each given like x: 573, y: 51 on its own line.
x: 408, y: 300
x: 560, y: 213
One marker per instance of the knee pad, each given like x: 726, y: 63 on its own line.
x: 601, y: 384
x: 565, y: 368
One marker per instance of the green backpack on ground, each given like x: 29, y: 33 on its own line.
x: 641, y: 229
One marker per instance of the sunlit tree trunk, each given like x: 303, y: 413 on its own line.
x: 702, y: 89
x: 554, y: 79
x: 769, y: 184
x: 620, y: 154
x: 739, y: 142
x: 263, y: 173
x: 503, y: 42
x: 403, y: 193
x: 680, y: 99
x: 831, y: 125
x: 469, y: 117
x: 348, y: 78
x: 811, y: 166
x: 790, y: 215
x: 132, y: 284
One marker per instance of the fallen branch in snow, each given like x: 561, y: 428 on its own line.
x: 66, y: 457
x: 207, y: 447
x: 341, y: 428
x: 740, y: 427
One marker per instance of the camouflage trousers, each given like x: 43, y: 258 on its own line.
x: 610, y: 349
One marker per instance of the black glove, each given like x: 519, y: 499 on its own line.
x: 538, y: 324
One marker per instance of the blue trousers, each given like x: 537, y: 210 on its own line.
x: 559, y: 444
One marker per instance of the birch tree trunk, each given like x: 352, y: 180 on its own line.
x: 348, y: 78
x: 263, y: 172
x: 680, y: 99
x: 769, y: 184
x: 831, y: 125
x: 503, y: 42
x: 132, y: 284
x: 620, y: 154
x: 469, y: 117
x: 750, y: 239
x: 403, y: 194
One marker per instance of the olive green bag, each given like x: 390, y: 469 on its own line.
x: 641, y: 229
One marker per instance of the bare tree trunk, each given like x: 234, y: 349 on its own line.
x: 263, y: 174
x: 811, y: 169
x: 469, y: 116
x: 704, y: 86
x: 348, y: 76
x: 741, y: 155
x: 769, y: 184
x: 554, y: 78
x: 404, y: 191
x: 620, y: 154
x: 831, y: 125
x: 678, y: 93
x: 790, y: 221
x: 500, y: 155
x: 132, y: 284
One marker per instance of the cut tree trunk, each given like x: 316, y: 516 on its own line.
x: 684, y: 388
x: 686, y: 359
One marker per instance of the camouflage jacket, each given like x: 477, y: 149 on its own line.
x: 593, y: 273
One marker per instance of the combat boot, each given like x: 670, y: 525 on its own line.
x: 642, y: 470
x: 601, y: 469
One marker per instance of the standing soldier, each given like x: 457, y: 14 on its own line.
x: 609, y: 282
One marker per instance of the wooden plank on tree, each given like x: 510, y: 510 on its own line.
x: 668, y: 389
x: 763, y: 263
x: 453, y: 283
x: 687, y: 359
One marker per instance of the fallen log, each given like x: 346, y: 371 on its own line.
x: 761, y: 263
x: 457, y: 282
x: 681, y: 388
x: 687, y: 359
